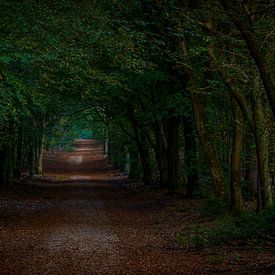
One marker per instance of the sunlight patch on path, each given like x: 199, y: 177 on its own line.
x: 79, y: 177
x: 81, y: 239
x: 75, y: 159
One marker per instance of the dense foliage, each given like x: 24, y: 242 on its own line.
x: 181, y: 92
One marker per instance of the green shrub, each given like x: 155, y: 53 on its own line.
x: 213, y: 207
x: 227, y: 229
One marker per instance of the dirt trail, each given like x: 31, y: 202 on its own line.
x: 82, y: 222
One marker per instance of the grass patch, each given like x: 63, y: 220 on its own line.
x: 227, y: 229
x: 215, y: 259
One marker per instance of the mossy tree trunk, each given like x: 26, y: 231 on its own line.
x: 262, y: 134
x: 214, y: 164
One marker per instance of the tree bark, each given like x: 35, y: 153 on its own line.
x: 3, y: 153
x: 31, y: 158
x: 144, y: 158
x: 236, y: 190
x: 40, y: 156
x: 262, y: 146
x: 214, y: 165
x: 192, y: 189
x: 19, y: 153
x: 106, y: 144
x: 161, y: 157
x: 133, y: 171
x: 250, y: 169
x: 173, y: 154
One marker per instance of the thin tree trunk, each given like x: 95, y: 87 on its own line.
x: 259, y: 194
x: 31, y: 159
x: 173, y: 154
x: 40, y: 157
x: 161, y: 156
x: 192, y: 189
x: 133, y: 170
x: 106, y: 144
x: 236, y: 191
x: 144, y: 158
x: 3, y: 154
x: 19, y: 155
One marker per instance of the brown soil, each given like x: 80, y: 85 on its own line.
x: 78, y: 220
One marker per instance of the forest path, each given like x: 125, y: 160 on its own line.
x: 80, y: 221
x: 77, y: 220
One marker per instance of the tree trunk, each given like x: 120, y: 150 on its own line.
x: 161, y: 156
x: 3, y: 153
x: 106, y: 144
x: 262, y: 161
x: 262, y: 146
x: 31, y: 159
x: 133, y: 170
x: 214, y: 164
x: 40, y: 156
x: 251, y: 170
x: 19, y: 153
x: 144, y: 157
x: 236, y: 191
x: 192, y: 189
x: 173, y: 154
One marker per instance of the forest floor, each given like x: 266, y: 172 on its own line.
x: 80, y: 219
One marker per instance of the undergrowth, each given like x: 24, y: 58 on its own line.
x: 223, y: 230
x: 213, y: 207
